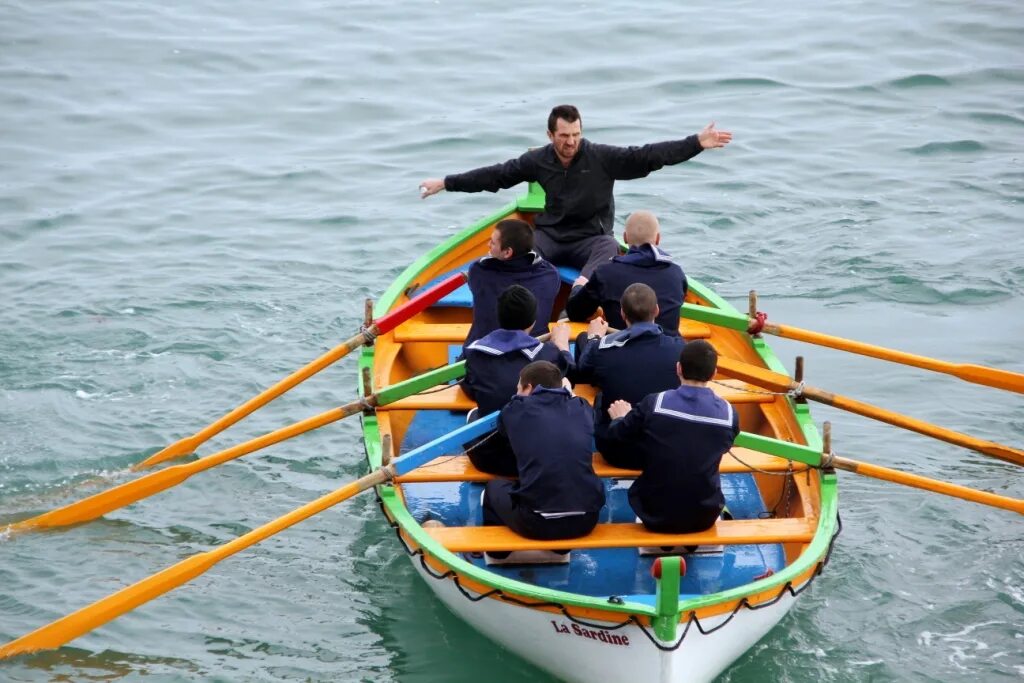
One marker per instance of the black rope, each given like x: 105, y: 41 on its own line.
x: 693, y: 620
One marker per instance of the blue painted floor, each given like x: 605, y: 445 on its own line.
x: 596, y: 572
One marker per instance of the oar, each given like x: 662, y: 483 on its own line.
x: 815, y: 458
x: 382, y: 325
x: 68, y: 628
x: 977, y: 374
x: 779, y: 382
x: 130, y: 492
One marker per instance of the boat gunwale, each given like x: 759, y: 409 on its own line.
x: 808, y: 563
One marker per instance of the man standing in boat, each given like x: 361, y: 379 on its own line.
x: 578, y: 176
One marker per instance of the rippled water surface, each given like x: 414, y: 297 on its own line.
x: 195, y: 198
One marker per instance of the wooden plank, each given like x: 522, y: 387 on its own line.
x: 731, y: 532
x: 454, y: 398
x: 455, y: 333
x: 459, y: 468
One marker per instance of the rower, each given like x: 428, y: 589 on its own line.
x: 627, y: 365
x: 511, y: 260
x: 680, y: 437
x: 557, y: 494
x: 644, y: 262
x: 493, y: 364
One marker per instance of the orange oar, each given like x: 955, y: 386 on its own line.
x: 147, y: 485
x: 978, y: 374
x: 68, y: 628
x: 779, y: 382
x: 382, y: 325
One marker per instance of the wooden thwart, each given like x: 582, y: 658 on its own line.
x: 454, y: 398
x: 455, y: 333
x: 732, y: 532
x: 459, y: 468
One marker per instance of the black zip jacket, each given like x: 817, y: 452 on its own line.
x: 579, y: 200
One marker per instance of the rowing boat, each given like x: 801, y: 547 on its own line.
x: 613, y: 612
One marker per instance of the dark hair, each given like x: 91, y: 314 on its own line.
x: 516, y: 235
x: 566, y: 112
x: 639, y: 303
x: 517, y: 308
x: 698, y: 360
x: 541, y: 373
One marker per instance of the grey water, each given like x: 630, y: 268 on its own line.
x: 196, y: 198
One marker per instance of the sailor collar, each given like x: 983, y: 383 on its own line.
x: 634, y: 331
x: 644, y: 254
x: 534, y: 258
x: 500, y: 342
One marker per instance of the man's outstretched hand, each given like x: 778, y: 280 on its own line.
x: 711, y: 137
x: 432, y: 186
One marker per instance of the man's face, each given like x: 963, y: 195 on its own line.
x: 494, y: 247
x: 566, y: 139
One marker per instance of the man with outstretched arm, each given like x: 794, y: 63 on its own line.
x: 578, y: 176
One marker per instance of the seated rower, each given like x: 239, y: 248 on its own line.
x: 680, y: 437
x: 511, y: 260
x: 493, y: 364
x: 644, y: 262
x: 558, y: 495
x: 626, y: 365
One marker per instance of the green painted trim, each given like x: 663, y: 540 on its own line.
x: 714, y: 316
x: 416, y: 384
x: 534, y: 199
x: 666, y: 601
x: 815, y: 552
x: 783, y: 449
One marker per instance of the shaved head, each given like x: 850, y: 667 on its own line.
x: 641, y: 228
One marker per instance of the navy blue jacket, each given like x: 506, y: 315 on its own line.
x: 493, y: 364
x: 578, y: 200
x: 627, y: 365
x: 647, y: 264
x: 489, y: 277
x: 552, y: 433
x: 679, y: 437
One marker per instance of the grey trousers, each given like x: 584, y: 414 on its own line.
x: 585, y: 254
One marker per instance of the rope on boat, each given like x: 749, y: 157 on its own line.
x: 693, y: 620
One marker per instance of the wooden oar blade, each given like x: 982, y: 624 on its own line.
x: 103, y: 502
x: 68, y: 628
x: 992, y: 377
x: 177, y: 449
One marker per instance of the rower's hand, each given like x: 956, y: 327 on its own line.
x: 560, y: 336
x: 598, y: 327
x: 619, y: 409
x: 579, y: 282
x: 711, y: 137
x: 431, y: 186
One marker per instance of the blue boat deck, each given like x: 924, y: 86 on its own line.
x: 602, y: 572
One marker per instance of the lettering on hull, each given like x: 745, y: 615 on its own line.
x: 597, y: 634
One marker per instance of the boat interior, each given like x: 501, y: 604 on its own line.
x: 773, y: 502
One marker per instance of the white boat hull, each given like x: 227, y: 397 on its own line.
x: 572, y: 652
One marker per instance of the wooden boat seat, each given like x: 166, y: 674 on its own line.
x: 454, y: 398
x: 459, y: 468
x: 455, y: 333
x: 731, y: 532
